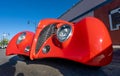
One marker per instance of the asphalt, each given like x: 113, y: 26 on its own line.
x: 13, y: 66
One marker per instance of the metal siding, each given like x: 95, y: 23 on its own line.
x: 91, y: 14
x: 81, y: 8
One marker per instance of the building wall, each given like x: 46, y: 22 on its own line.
x: 90, y: 14
x: 104, y: 13
x: 80, y: 9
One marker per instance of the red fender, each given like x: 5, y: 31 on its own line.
x: 14, y: 48
x: 89, y: 42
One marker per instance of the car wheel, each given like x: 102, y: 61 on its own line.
x: 23, y: 58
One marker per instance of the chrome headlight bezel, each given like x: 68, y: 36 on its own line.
x: 21, y: 37
x: 65, y: 31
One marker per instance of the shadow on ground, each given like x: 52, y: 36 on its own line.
x: 70, y: 68
x: 8, y: 68
x: 65, y: 67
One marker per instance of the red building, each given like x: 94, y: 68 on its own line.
x: 106, y: 10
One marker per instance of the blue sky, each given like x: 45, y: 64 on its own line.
x: 14, y: 14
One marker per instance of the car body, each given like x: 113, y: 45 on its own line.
x: 86, y: 41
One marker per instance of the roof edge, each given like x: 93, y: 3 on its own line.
x: 70, y: 8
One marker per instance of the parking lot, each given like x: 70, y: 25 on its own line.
x: 13, y: 66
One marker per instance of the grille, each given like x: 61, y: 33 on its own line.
x: 44, y: 35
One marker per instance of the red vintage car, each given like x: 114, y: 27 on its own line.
x: 86, y: 41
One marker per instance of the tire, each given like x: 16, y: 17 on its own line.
x: 23, y: 58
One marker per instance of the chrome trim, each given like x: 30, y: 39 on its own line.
x: 27, y: 49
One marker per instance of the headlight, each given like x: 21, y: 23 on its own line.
x: 21, y: 37
x: 64, y: 32
x: 46, y: 49
x: 27, y: 49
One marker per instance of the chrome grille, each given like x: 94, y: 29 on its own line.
x: 44, y: 35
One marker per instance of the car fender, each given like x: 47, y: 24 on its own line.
x: 89, y: 43
x: 14, y: 48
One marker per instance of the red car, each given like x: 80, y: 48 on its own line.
x: 86, y: 41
